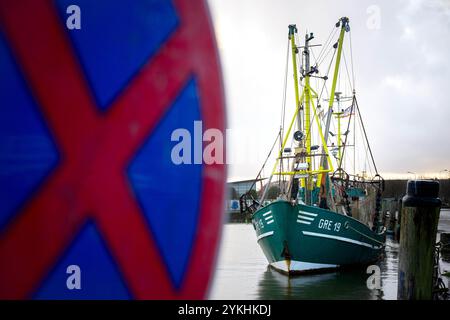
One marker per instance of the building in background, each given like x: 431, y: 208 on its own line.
x: 236, y: 189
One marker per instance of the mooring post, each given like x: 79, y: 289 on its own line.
x: 420, y: 216
x: 384, y: 211
x: 392, y: 218
x: 399, y: 219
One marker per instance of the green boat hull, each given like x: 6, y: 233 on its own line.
x: 300, y: 238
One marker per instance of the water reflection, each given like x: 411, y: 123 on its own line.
x: 242, y: 272
x: 389, y: 268
x: 337, y: 285
x: 344, y: 284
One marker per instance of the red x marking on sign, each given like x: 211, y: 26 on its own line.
x: 90, y: 182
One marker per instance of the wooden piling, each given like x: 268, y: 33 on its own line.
x: 420, y: 216
x: 399, y: 219
x: 392, y: 216
x: 384, y: 212
x: 419, y: 220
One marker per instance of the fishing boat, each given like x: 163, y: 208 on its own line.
x: 324, y: 216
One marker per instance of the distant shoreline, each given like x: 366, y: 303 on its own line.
x: 397, y: 188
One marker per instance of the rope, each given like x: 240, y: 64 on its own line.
x: 383, y: 244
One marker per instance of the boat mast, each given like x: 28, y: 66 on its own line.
x: 307, y: 117
x: 294, y: 51
x: 302, y: 164
x: 339, y: 134
x: 306, y: 143
x: 343, y: 22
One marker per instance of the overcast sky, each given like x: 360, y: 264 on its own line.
x: 400, y: 63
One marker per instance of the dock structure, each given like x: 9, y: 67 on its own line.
x: 390, y: 215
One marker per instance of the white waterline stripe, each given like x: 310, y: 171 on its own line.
x: 304, y: 222
x: 321, y: 235
x: 306, y: 218
x: 308, y: 213
x: 268, y: 212
x: 263, y: 235
x: 268, y: 217
x: 295, y: 265
x: 269, y: 222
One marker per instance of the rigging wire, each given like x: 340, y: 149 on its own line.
x: 366, y: 153
x: 328, y: 42
x: 283, y: 106
x: 328, y: 71
x: 351, y: 60
x: 348, y: 74
x: 298, y: 57
x: 346, y: 136
x: 365, y: 135
x: 309, y: 132
x: 283, y: 103
x: 354, y: 144
x: 324, y: 57
x: 265, y: 162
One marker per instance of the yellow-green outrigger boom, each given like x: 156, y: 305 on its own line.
x: 344, y: 27
x: 304, y: 102
x: 294, y: 51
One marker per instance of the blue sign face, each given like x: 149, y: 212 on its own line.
x: 92, y: 206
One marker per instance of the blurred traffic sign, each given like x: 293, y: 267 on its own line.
x: 86, y: 178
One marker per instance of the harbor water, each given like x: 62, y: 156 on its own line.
x: 242, y: 272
